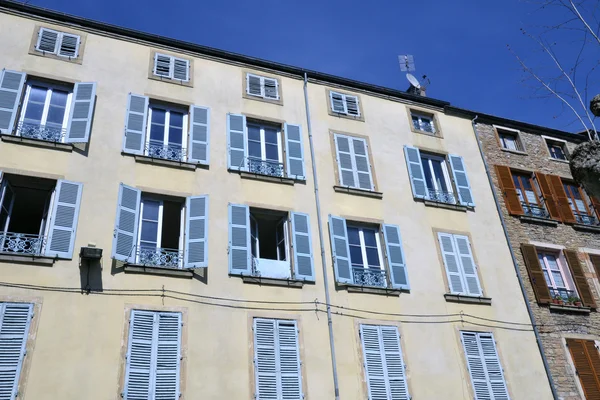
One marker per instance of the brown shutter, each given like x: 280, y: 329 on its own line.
x: 595, y: 259
x: 561, y: 198
x: 511, y: 198
x: 596, y: 205
x: 536, y: 275
x: 586, y: 360
x: 548, y: 195
x: 583, y: 288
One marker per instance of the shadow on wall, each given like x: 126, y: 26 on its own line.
x: 90, y: 275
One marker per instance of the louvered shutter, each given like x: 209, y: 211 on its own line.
x: 352, y: 105
x: 254, y: 85
x: 294, y: 150
x: 562, y: 200
x: 340, y: 249
x: 451, y: 263
x: 362, y: 164
x: 82, y: 109
x: 271, y: 88
x: 395, y: 257
x: 594, y: 258
x: 415, y: 172
x: 15, y: 320
x: 236, y: 142
x: 461, y: 180
x: 135, y: 124
x: 47, y: 40
x: 168, y: 356
x: 69, y: 45
x: 484, y: 366
x: 288, y: 355
x: 126, y: 223
x: 63, y: 219
x: 199, y: 150
x: 181, y: 69
x: 11, y: 89
x: 240, y: 256
x: 507, y: 185
x: 265, y: 359
x: 587, y: 364
x: 495, y: 374
x: 337, y: 102
x: 373, y: 363
x: 302, y: 246
x: 536, y: 275
x: 394, y: 363
x: 548, y: 195
x: 595, y: 205
x: 162, y: 65
x: 196, y: 232
x: 345, y: 161
x: 469, y: 269
x: 581, y: 282
x: 141, y: 351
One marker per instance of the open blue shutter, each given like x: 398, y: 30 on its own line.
x: 302, y: 246
x: 11, y: 90
x: 196, y: 232
x: 199, y: 135
x: 236, y: 142
x: 495, y: 374
x: 126, y: 223
x: 265, y: 360
x: 463, y: 187
x: 340, y: 249
x: 294, y: 151
x: 395, y: 257
x: 289, y: 360
x: 15, y: 319
x: 415, y: 172
x: 82, y: 109
x: 469, y: 269
x: 168, y: 355
x: 135, y: 124
x: 451, y: 263
x: 239, y: 240
x: 140, y: 354
x: 63, y: 220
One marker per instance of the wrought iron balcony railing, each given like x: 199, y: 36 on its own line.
x: 535, y: 211
x: 564, y: 294
x: 586, y: 219
x: 441, y: 196
x: 170, y: 152
x: 158, y: 257
x: 21, y: 243
x: 264, y: 167
x: 41, y: 132
x: 369, y: 277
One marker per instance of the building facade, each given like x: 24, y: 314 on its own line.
x: 163, y: 234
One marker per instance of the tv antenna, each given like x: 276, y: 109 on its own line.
x: 407, y: 64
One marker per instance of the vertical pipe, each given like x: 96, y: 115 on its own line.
x: 321, y: 242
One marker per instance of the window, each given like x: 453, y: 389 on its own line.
x: 509, y: 139
x: 45, y: 111
x: 15, y: 319
x: 383, y: 362
x: 58, y: 43
x: 585, y: 357
x: 153, y: 358
x: 165, y: 133
x: 459, y: 262
x: 423, y: 122
x: 160, y: 231
x: 529, y: 196
x: 556, y: 274
x: 269, y: 244
x: 260, y: 86
x: 344, y: 104
x: 265, y: 150
x: 487, y: 376
x: 354, y: 166
x: 277, y: 369
x: 38, y: 217
x: 583, y: 211
x: 557, y: 149
x: 365, y: 256
x: 437, y: 179
x: 171, y: 67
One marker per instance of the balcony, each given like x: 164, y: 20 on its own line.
x: 535, y: 211
x: 586, y: 219
x: 21, y: 243
x: 171, y: 152
x: 441, y: 196
x: 564, y: 294
x: 264, y: 167
x: 41, y: 132
x: 369, y: 277
x: 158, y: 257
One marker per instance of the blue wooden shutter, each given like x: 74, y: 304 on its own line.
x: 236, y: 142
x: 288, y: 360
x: 394, y: 363
x: 126, y: 223
x: 352, y: 106
x: 265, y: 360
x: 63, y: 219
x: 11, y: 90
x: 395, y: 257
x: 253, y: 85
x: 377, y: 383
x: 294, y: 150
x: 337, y: 102
x: 15, y: 320
x: 271, y: 88
x: 196, y: 232
x: 345, y: 161
x: 140, y: 356
x: 463, y: 187
x: 340, y: 249
x: 302, y: 246
x: 181, y: 69
x: 467, y: 262
x: 135, y: 124
x: 47, y: 41
x: 168, y: 355
x: 362, y: 164
x: 451, y: 263
x: 240, y: 256
x: 495, y: 373
x: 82, y: 109
x: 163, y: 65
x: 69, y: 45
x: 198, y: 149
x: 415, y: 172
x: 484, y: 366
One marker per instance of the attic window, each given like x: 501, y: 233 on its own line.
x: 261, y: 86
x: 509, y: 140
x: 171, y: 67
x: 344, y: 104
x: 557, y: 149
x: 58, y: 43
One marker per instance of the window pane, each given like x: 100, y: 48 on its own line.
x: 270, y: 135
x: 151, y: 210
x: 356, y: 255
x: 531, y: 198
x: 558, y: 280
x: 415, y: 121
x: 547, y: 277
x: 34, y: 112
x: 158, y: 116
x: 369, y: 235
x: 254, y: 149
x: 176, y: 119
x: 175, y: 135
x: 439, y: 175
x: 373, y: 257
x: 253, y: 132
x: 552, y: 263
x: 427, y: 171
x: 353, y: 237
x: 149, y: 231
x: 281, y: 251
x: 272, y: 152
x: 59, y: 98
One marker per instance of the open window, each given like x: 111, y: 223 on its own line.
x: 423, y: 122
x: 38, y: 216
x: 509, y: 139
x: 270, y: 243
x: 344, y: 104
x: 557, y: 148
x: 584, y: 207
x: 529, y: 194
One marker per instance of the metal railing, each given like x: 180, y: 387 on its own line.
x: 158, y: 257
x: 41, y: 132
x: 441, y: 196
x: 535, y: 211
x: 586, y: 219
x: 264, y: 167
x: 166, y: 152
x: 369, y: 277
x: 21, y: 243
x: 564, y: 294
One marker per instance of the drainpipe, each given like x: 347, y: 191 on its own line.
x: 321, y: 242
x: 514, y: 260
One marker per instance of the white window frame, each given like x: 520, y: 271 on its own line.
x: 445, y: 172
x: 363, y: 246
x: 562, y: 267
x: 421, y: 116
x: 168, y: 110
x: 345, y: 102
x: 509, y: 131
x: 262, y: 86
x: 171, y: 67
x: 562, y: 143
x: 58, y: 44
x: 263, y: 144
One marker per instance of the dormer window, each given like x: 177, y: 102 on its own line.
x: 261, y: 86
x: 58, y: 43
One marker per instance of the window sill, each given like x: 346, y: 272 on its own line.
x: 571, y: 309
x: 166, y: 163
x: 141, y: 269
x: 433, y: 135
x: 360, y: 118
x: 537, y: 220
x: 36, y: 142
x: 169, y: 80
x: 358, y: 192
x: 261, y: 280
x: 351, y: 288
x: 448, y: 206
x: 461, y: 298
x: 278, y: 102
x: 586, y: 228
x: 559, y: 160
x: 266, y: 178
x: 521, y: 153
x: 28, y: 259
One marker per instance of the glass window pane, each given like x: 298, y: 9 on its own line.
x: 254, y: 149
x: 59, y: 98
x: 353, y: 237
x: 415, y: 121
x: 151, y: 210
x: 175, y: 135
x: 552, y: 263
x: 157, y: 132
x: 558, y: 280
x: 176, y: 119
x: 56, y: 115
x: 38, y: 94
x: 158, y: 116
x: 281, y: 251
x: 439, y: 175
x: 369, y: 235
x: 356, y: 255
x: 34, y: 112
x: 272, y: 152
x: 547, y: 277
x: 531, y: 197
x: 253, y: 132
x: 149, y: 231
x: 373, y: 257
x: 270, y: 135
x: 148, y: 245
x: 427, y: 171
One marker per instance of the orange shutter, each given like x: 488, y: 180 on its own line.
x: 587, y: 361
x: 583, y: 288
x: 548, y: 196
x: 596, y: 205
x: 595, y: 259
x: 561, y: 198
x: 538, y: 282
x: 511, y: 198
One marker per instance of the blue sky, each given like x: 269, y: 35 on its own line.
x: 459, y: 44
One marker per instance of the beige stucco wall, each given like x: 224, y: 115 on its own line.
x: 79, y: 338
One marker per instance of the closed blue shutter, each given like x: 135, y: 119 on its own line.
x: 265, y: 359
x: 140, y: 356
x: 196, y: 232
x: 11, y: 90
x: 181, y: 69
x: 345, y: 161
x: 362, y: 164
x: 394, y: 363
x: 168, y: 355
x: 337, y: 102
x: 395, y: 257
x: 236, y: 142
x: 289, y: 360
x: 484, y: 366
x: 69, y: 45
x: 126, y: 223
x: 294, y: 152
x: 495, y: 373
x: 340, y: 249
x: 253, y: 85
x: 415, y: 172
x: 302, y: 247
x: 63, y: 219
x: 467, y: 262
x: 47, y: 41
x: 239, y: 240
x: 199, y: 151
x: 463, y: 187
x: 15, y: 320
x: 80, y: 116
x: 451, y: 263
x: 135, y: 124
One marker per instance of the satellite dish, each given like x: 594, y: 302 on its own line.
x: 413, y: 81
